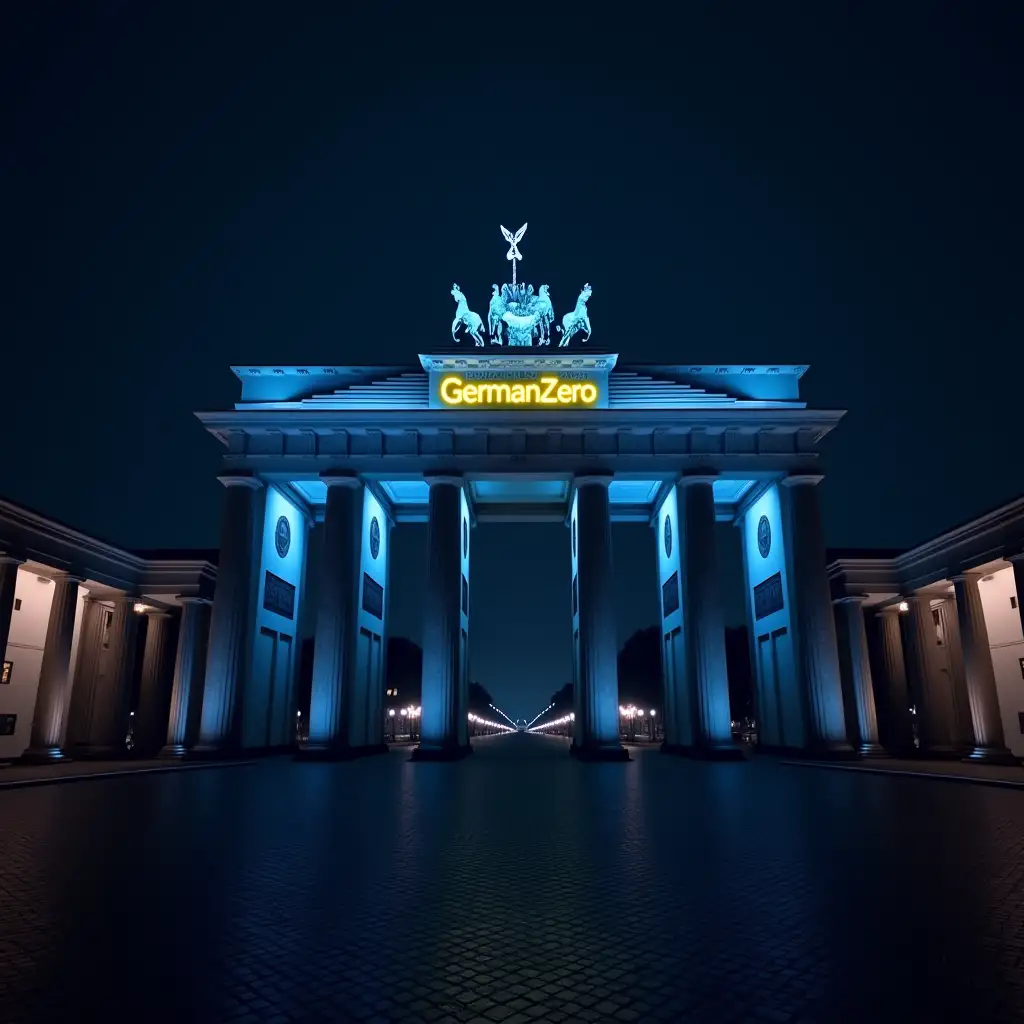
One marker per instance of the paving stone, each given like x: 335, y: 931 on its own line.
x: 517, y: 885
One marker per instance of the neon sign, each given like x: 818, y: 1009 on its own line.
x: 546, y: 390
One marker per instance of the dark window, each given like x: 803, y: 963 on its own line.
x: 768, y: 597
x: 108, y: 620
x: 1020, y: 721
x: 5, y: 676
x: 8, y: 723
x: 17, y: 604
x: 465, y: 596
x: 670, y: 595
x: 1013, y: 601
x: 373, y: 597
x: 575, y: 595
x: 278, y: 596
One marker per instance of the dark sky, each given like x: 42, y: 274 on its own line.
x: 184, y: 187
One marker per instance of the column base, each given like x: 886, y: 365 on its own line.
x: 872, y: 750
x: 991, y: 755
x: 43, y: 755
x: 172, y: 750
x: 440, y: 753
x: 599, y: 752
x: 718, y: 752
x: 338, y: 753
x: 99, y: 753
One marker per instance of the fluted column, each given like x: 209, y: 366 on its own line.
x: 227, y: 655
x: 112, y: 697
x: 155, y: 685
x: 933, y: 692
x: 189, y: 665
x: 896, y: 726
x: 596, y: 732
x: 54, y: 674
x: 963, y: 731
x: 443, y: 723
x: 334, y: 650
x: 8, y: 581
x: 817, y: 653
x: 83, y: 686
x: 989, y: 742
x: 853, y: 650
x: 708, y: 677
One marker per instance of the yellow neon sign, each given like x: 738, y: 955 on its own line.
x: 547, y: 390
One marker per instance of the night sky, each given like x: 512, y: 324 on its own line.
x: 184, y: 188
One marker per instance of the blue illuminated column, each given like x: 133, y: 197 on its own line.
x: 334, y: 657
x: 596, y: 733
x: 677, y: 713
x: 896, y: 729
x: 707, y: 677
x: 817, y: 655
x: 444, y: 728
x: 856, y: 667
x: 989, y: 743
x: 54, y: 676
x: 231, y: 619
x: 189, y: 665
x: 932, y: 689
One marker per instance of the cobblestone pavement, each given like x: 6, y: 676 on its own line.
x: 515, y: 886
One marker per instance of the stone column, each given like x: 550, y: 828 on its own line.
x: 443, y: 723
x: 8, y: 581
x: 83, y: 687
x: 54, y: 674
x: 1017, y: 561
x: 707, y: 676
x: 155, y: 686
x: 596, y: 734
x: 963, y: 731
x: 109, y: 722
x: 189, y: 664
x: 853, y: 650
x: 933, y: 693
x: 897, y: 730
x: 817, y: 654
x: 334, y: 650
x: 228, y: 655
x: 989, y: 742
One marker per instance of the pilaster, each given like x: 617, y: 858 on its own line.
x: 444, y: 692
x: 189, y: 665
x: 231, y: 619
x: 596, y: 729
x: 707, y: 676
x: 856, y: 666
x: 989, y: 742
x: 817, y: 655
x: 54, y: 675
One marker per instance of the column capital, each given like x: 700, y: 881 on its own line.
x: 184, y: 599
x: 967, y: 574
x: 156, y: 613
x: 67, y: 577
x: 697, y: 478
x: 850, y: 599
x: 442, y: 477
x: 597, y: 479
x: 889, y: 609
x: 240, y: 480
x: 802, y: 480
x: 340, y: 478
